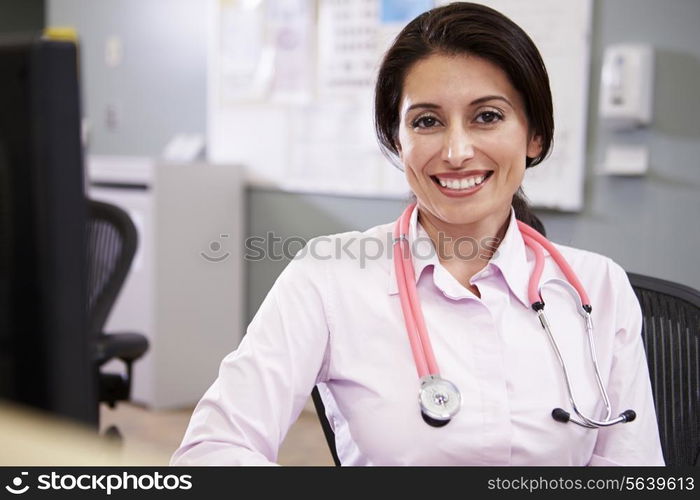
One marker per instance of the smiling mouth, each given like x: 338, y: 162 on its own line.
x: 464, y: 184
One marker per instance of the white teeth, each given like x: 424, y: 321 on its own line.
x: 465, y: 183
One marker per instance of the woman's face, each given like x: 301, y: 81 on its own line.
x: 463, y: 138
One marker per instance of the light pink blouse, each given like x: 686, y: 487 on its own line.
x: 333, y: 318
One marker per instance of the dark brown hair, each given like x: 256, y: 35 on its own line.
x: 467, y: 28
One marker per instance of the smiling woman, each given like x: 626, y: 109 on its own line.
x: 463, y: 106
x: 434, y: 49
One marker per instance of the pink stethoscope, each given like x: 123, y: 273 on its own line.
x: 439, y: 398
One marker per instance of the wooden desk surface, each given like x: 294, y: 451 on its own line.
x: 33, y: 438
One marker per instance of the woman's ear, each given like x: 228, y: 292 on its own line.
x: 534, y: 146
x: 397, y: 144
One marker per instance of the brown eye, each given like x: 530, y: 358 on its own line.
x: 489, y: 117
x: 424, y: 122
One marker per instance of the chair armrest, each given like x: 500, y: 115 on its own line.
x: 127, y: 346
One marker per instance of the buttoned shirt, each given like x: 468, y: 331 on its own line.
x: 333, y: 318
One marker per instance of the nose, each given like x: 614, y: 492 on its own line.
x: 458, y: 146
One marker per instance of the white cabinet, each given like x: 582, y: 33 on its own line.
x: 184, y: 290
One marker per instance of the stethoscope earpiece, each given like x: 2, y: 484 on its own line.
x: 628, y: 415
x: 561, y: 415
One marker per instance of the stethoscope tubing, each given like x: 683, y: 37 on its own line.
x: 420, y: 342
x: 531, y: 235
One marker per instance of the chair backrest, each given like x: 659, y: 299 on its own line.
x: 325, y: 425
x: 671, y: 327
x: 112, y: 240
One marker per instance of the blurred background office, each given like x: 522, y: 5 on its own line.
x: 214, y: 122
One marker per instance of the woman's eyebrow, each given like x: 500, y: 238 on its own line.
x: 423, y: 105
x: 487, y: 98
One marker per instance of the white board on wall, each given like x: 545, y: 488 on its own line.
x: 318, y: 136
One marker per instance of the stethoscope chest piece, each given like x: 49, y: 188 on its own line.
x: 439, y: 399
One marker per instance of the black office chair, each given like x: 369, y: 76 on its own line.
x: 325, y: 425
x: 671, y: 330
x: 112, y: 241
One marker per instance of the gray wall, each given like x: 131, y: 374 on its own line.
x: 649, y: 224
x: 21, y: 15
x: 159, y: 89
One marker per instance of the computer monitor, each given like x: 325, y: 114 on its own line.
x: 45, y: 352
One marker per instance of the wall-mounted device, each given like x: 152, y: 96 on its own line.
x: 627, y: 81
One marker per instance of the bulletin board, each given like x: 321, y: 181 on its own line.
x: 290, y: 92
